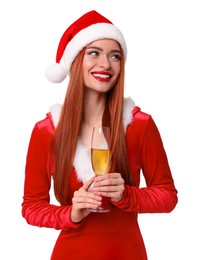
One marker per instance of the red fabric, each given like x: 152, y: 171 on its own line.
x: 113, y: 235
x: 84, y: 21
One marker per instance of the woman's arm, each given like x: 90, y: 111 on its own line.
x: 36, y: 207
x: 147, y: 148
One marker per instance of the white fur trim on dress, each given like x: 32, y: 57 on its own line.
x: 129, y: 105
x: 84, y: 170
x: 55, y: 111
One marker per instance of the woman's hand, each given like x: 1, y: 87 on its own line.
x: 83, y: 200
x: 109, y: 185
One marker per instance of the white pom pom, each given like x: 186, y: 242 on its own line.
x: 56, y: 73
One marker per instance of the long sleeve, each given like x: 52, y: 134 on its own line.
x: 147, y: 155
x: 36, y: 207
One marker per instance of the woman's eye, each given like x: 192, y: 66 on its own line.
x: 93, y: 53
x: 116, y: 57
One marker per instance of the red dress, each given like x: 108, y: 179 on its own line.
x: 101, y: 236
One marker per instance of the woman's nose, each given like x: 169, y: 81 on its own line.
x: 104, y: 62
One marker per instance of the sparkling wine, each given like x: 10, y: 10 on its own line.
x: 100, y: 160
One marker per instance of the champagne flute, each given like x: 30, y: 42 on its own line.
x: 100, y: 158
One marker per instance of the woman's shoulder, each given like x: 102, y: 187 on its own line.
x: 140, y: 115
x: 46, y: 122
x: 51, y: 119
x: 45, y: 126
x: 42, y: 131
x: 142, y: 124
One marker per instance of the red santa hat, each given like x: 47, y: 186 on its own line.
x: 90, y: 27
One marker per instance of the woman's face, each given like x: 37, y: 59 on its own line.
x: 101, y: 65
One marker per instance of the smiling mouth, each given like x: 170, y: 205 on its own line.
x: 102, y: 76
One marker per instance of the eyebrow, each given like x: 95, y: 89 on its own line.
x: 100, y: 49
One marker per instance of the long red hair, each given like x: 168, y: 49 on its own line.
x: 68, y: 128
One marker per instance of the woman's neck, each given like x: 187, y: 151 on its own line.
x: 94, y: 107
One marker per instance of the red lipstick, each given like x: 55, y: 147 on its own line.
x: 102, y: 75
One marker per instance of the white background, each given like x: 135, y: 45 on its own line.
x: 163, y: 77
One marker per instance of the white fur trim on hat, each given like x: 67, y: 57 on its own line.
x: 88, y: 35
x: 56, y: 73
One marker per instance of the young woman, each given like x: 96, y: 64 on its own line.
x: 94, y: 53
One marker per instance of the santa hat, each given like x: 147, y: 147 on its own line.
x: 90, y: 27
